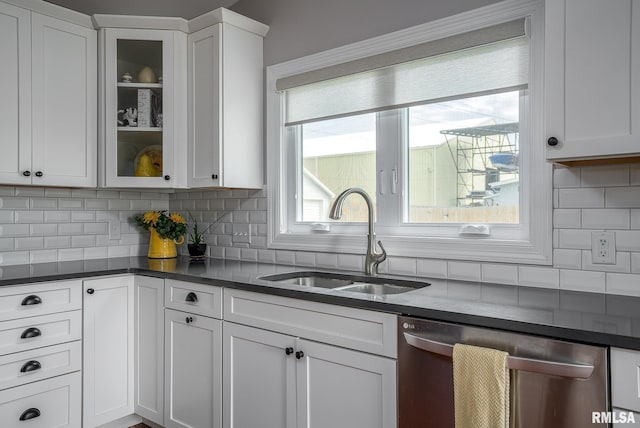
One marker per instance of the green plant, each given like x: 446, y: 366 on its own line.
x: 196, y: 236
x: 172, y: 226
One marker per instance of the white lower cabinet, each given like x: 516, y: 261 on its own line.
x: 193, y: 370
x: 625, y: 386
x: 149, y: 348
x: 275, y: 380
x: 108, y: 349
x: 48, y: 403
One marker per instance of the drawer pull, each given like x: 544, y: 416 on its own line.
x: 29, y: 414
x: 191, y: 297
x: 31, y: 300
x: 30, y: 366
x: 31, y: 332
x: 299, y: 355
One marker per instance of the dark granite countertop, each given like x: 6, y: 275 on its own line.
x: 593, y: 318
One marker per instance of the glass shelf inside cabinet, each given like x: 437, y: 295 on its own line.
x: 140, y: 106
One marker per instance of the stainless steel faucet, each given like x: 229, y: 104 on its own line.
x: 373, y: 258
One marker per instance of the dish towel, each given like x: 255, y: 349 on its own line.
x: 480, y: 387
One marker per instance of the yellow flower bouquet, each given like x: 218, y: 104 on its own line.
x: 166, y: 230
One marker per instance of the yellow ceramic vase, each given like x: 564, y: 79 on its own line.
x: 162, y: 248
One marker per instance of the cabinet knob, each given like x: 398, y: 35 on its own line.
x: 167, y: 177
x: 191, y: 297
x: 90, y: 290
x: 299, y: 354
x: 214, y: 176
x: 26, y: 173
x: 30, y: 366
x: 552, y: 141
x: 39, y: 174
x: 31, y: 300
x: 30, y: 333
x: 288, y: 351
x: 29, y: 414
x: 189, y: 320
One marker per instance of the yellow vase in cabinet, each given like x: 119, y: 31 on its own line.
x: 162, y: 248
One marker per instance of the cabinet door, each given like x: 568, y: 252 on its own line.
x: 193, y: 376
x: 205, y: 73
x: 108, y: 349
x: 259, y: 378
x: 138, y: 146
x: 592, y: 78
x: 149, y: 348
x: 625, y: 379
x: 15, y: 87
x: 64, y: 60
x: 341, y: 388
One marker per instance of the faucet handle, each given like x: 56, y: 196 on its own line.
x: 383, y: 255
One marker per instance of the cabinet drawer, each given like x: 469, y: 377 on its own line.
x: 36, y: 332
x: 625, y: 379
x: 368, y: 331
x: 39, y: 299
x: 49, y: 403
x: 37, y: 364
x: 195, y: 298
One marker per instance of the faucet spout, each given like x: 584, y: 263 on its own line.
x: 373, y: 258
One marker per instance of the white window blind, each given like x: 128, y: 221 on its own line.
x: 448, y: 68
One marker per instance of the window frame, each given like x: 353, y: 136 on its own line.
x: 535, y: 204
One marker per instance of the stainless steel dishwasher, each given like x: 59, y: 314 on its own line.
x: 554, y: 384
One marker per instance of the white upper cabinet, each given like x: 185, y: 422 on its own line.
x: 140, y: 133
x: 225, y: 104
x: 48, y: 119
x: 181, y: 101
x: 592, y: 62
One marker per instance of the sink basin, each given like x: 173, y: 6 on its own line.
x: 345, y: 282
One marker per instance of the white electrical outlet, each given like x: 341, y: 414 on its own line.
x: 603, y: 247
x: 241, y: 233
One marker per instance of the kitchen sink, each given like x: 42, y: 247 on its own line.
x: 345, y: 282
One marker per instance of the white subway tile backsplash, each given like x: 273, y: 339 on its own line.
x: 303, y: 258
x: 51, y: 242
x: 570, y: 259
x: 635, y: 263
x: 117, y: 251
x: 14, y: 258
x: 57, y: 216
x: 543, y: 277
x: 29, y: 216
x: 428, y: 268
x: 401, y: 266
x: 70, y: 229
x: 43, y: 204
x: 95, y: 253
x: 581, y: 198
x: 464, y: 271
x: 626, y: 284
x: 14, y: 230
x: 141, y: 205
x: 622, y: 197
x: 119, y: 204
x: 53, y: 192
x: 564, y: 177
x: 500, y: 273
x: 249, y: 254
x: 605, y: 219
x: 66, y: 254
x: 266, y: 256
x: 12, y: 203
x: 30, y: 191
x: 628, y: 240
x: 6, y: 244
x: 96, y: 229
x: 605, y: 176
x: 566, y: 218
x: 7, y: 191
x: 43, y: 229
x: 107, y: 194
x: 83, y: 216
x: 43, y: 256
x: 351, y: 262
x: 327, y: 260
x: 83, y: 241
x: 70, y: 204
x: 578, y: 280
x: 635, y: 219
x: 285, y: 257
x: 32, y: 243
x: 577, y: 239
x: 232, y: 253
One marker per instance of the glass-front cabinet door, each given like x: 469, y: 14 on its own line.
x: 138, y: 121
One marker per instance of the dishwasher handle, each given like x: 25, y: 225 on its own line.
x: 555, y: 368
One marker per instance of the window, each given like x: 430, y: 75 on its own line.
x: 442, y: 140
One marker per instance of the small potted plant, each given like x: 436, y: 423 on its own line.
x: 196, y: 246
